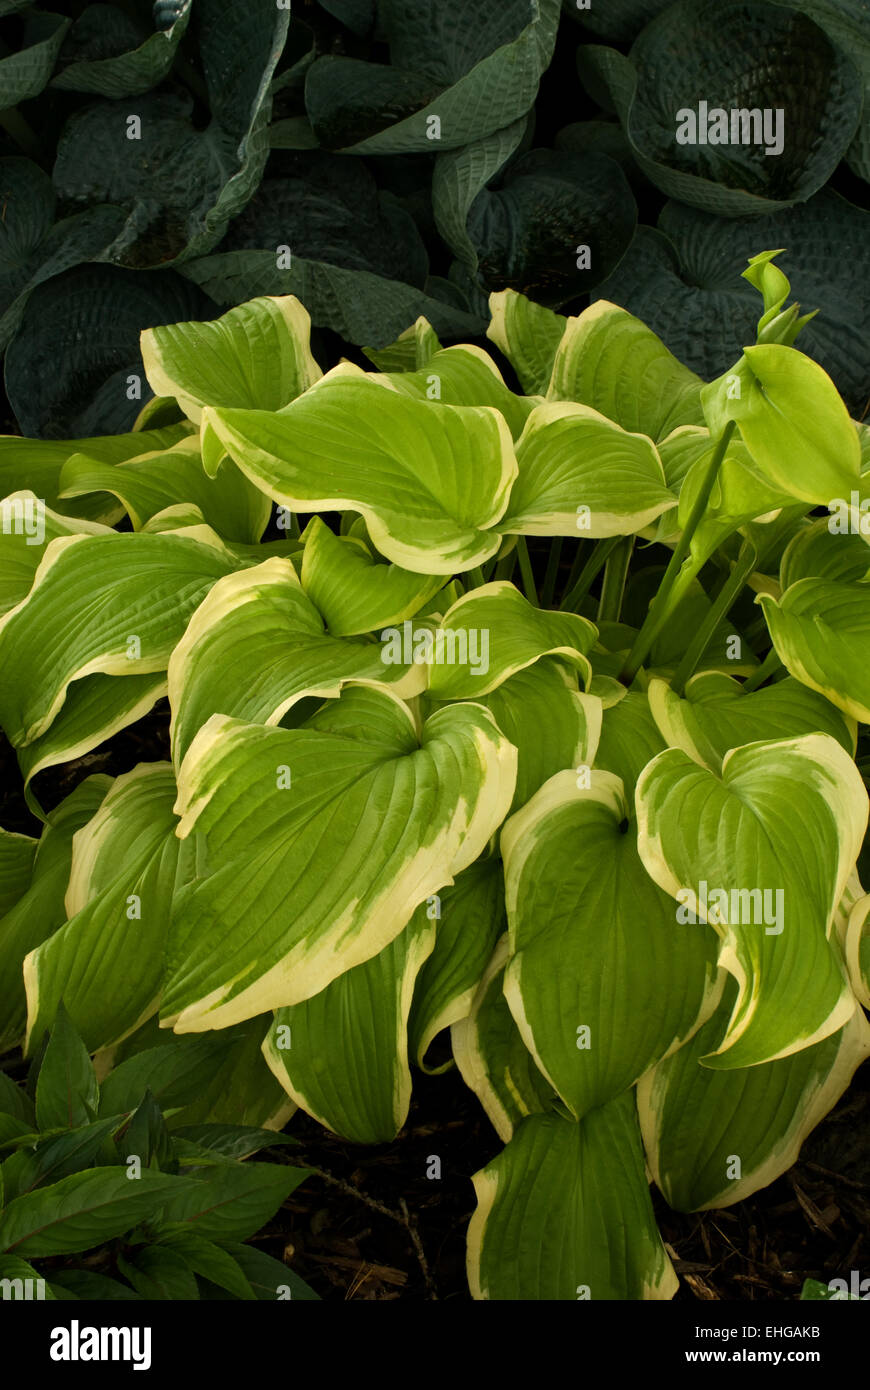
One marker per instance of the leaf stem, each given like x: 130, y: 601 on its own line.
x: 526, y: 571
x: 734, y: 582
x: 613, y: 583
x: 676, y: 579
x: 597, y: 560
x: 770, y: 664
x: 552, y: 572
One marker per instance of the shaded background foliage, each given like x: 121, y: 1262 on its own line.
x: 261, y: 129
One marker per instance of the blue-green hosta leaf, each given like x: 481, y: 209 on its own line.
x: 257, y: 645
x: 35, y: 465
x: 429, y: 480
x: 571, y: 865
x: 821, y: 631
x: 762, y: 853
x: 529, y: 336
x: 24, y: 74
x: 609, y: 360
x: 476, y: 71
x: 549, y: 721
x: 67, y: 1094
x: 564, y: 1212
x: 763, y: 59
x: 131, y: 595
x: 460, y: 175
x: 150, y: 484
x: 715, y: 1137
x: 582, y: 474
x: 684, y: 280
x: 618, y: 20
x: 792, y: 420
x: 464, y: 375
x: 87, y: 1209
x: 714, y: 715
x: 470, y: 919
x: 94, y: 709
x: 106, y: 962
x: 40, y: 911
x: 343, y: 1054
x: 353, y: 589
x: 257, y: 355
x: 491, y: 1056
x: 492, y: 632
x: 365, y: 818
x: 114, y: 56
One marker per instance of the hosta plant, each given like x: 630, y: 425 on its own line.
x: 537, y: 720
x: 101, y: 1199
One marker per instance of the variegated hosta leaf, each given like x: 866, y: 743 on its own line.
x: 564, y: 1212
x: 821, y: 631
x: 590, y: 936
x: 762, y: 852
x: 40, y: 910
x: 528, y: 335
x: 492, y: 1058
x: 315, y: 845
x: 609, y: 360
x: 353, y: 589
x: 343, y: 1054
x: 257, y: 645
x: 492, y: 632
x: 715, y: 715
x: 715, y: 1137
x: 431, y: 481
x: 792, y: 419
x: 410, y: 352
x: 821, y: 549
x: 581, y: 474
x: 857, y: 949
x: 114, y: 603
x: 27, y: 527
x: 36, y: 464
x: 257, y: 355
x: 469, y: 919
x: 551, y: 723
x: 464, y: 375
x: 94, y: 709
x: 629, y: 738
x: 106, y: 962
x: 149, y: 484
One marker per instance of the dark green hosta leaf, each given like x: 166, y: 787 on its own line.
x: 564, y: 1212
x: 111, y: 54
x: 687, y: 286
x: 24, y: 74
x: 67, y: 1094
x: 69, y: 366
x: 845, y: 22
x: 460, y: 175
x: 734, y: 55
x: 617, y: 20
x: 475, y: 70
x: 87, y: 1209
x: 230, y: 1202
x: 555, y: 227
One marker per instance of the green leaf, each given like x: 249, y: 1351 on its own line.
x: 372, y: 820
x: 128, y: 72
x: 763, y: 854
x: 715, y: 1137
x: 230, y: 1202
x: 16, y: 1276
x: 175, y: 1073
x: 493, y: 632
x: 529, y: 336
x: 28, y: 529
x: 85, y: 1210
x: 492, y: 1058
x: 231, y: 1141
x: 429, y: 480
x: 67, y: 1094
x: 343, y: 1054
x: 571, y: 863
x: 464, y: 375
x: 792, y: 420
x: 17, y: 853
x: 52, y: 1159
x: 582, y: 474
x: 564, y: 1212
x: 609, y: 360
x: 353, y: 589
x: 15, y: 1102
x: 460, y: 175
x: 260, y: 622
x: 85, y: 1284
x: 715, y: 716
x: 821, y: 630
x: 470, y: 919
x: 268, y: 1277
x: 23, y: 75
x: 157, y: 1272
x: 205, y: 1258
x: 240, y: 1089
